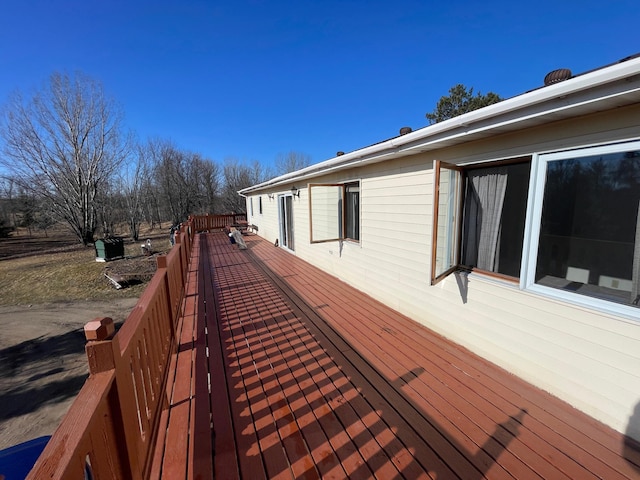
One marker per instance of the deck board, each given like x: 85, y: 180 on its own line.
x: 310, y: 378
x: 570, y: 442
x: 439, y: 394
x: 200, y: 460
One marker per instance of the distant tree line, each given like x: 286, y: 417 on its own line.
x: 66, y: 157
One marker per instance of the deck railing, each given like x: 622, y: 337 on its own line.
x: 111, y: 428
x: 208, y: 223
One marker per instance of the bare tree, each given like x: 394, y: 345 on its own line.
x: 7, y: 193
x: 131, y: 185
x: 236, y: 176
x: 183, y: 182
x: 65, y: 143
x: 151, y: 203
x: 108, y: 206
x: 291, y: 161
x: 27, y: 208
x: 207, y: 176
x: 172, y: 179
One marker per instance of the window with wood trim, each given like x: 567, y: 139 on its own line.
x: 352, y: 210
x: 479, y: 218
x: 334, y: 212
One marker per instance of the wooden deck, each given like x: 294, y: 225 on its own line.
x: 302, y: 376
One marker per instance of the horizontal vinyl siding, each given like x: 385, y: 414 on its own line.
x: 394, y: 233
x: 589, y: 359
x: 390, y: 254
x: 594, y: 368
x: 267, y: 223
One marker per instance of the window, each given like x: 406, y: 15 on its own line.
x: 260, y: 205
x: 352, y: 211
x: 447, y: 198
x: 581, y: 238
x: 479, y: 218
x: 251, y: 206
x: 586, y: 226
x: 335, y: 212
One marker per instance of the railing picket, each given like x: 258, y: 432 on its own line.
x: 208, y: 223
x: 106, y: 428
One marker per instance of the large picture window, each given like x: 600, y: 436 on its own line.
x: 479, y: 218
x: 586, y: 230
x: 334, y: 212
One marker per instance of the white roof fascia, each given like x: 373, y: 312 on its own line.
x: 569, y: 94
x: 560, y: 106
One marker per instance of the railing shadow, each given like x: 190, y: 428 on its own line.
x: 44, y: 361
x: 32, y: 351
x: 21, y: 401
x: 294, y: 375
x: 631, y: 447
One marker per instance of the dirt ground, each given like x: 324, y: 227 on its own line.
x: 43, y: 364
x: 42, y: 359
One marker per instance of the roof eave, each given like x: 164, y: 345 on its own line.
x: 573, y: 95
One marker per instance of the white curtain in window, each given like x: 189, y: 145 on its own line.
x: 635, y: 275
x: 486, y: 190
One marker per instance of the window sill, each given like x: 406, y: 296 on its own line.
x: 618, y: 311
x: 490, y: 277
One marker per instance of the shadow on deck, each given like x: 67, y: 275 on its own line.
x: 254, y: 364
x: 310, y: 378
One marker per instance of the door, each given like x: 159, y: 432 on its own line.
x: 286, y: 221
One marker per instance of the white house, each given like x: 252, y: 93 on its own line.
x: 512, y: 230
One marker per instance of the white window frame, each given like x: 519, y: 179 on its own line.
x: 533, y: 225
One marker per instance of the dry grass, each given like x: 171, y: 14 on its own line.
x: 72, y: 274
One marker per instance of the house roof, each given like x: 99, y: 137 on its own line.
x: 601, y: 89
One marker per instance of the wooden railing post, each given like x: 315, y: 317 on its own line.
x: 183, y: 267
x: 185, y: 255
x: 162, y: 261
x: 99, y: 347
x: 162, y: 264
x: 103, y: 355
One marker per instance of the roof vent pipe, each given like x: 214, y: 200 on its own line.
x: 405, y: 130
x: 339, y: 154
x: 557, y: 76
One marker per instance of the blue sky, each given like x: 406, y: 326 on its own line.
x: 254, y: 79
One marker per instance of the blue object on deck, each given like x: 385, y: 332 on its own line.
x: 16, y: 462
